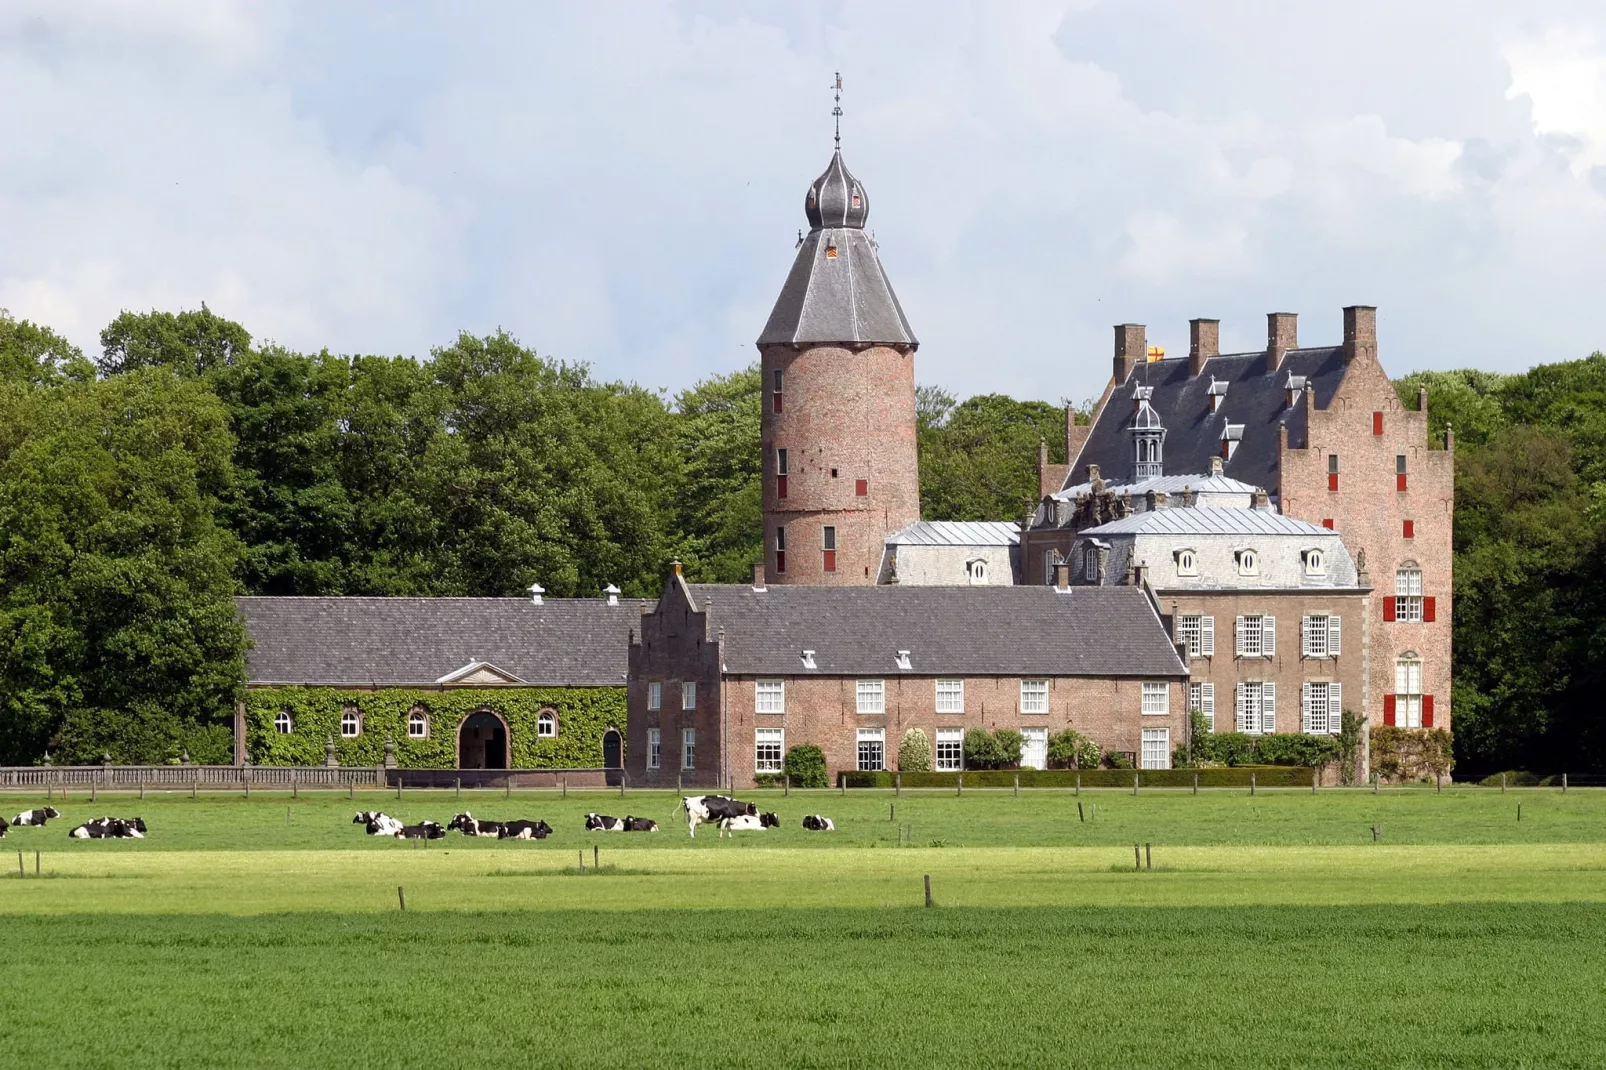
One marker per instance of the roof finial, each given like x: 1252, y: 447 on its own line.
x: 836, y: 112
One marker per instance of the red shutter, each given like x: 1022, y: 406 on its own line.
x: 830, y: 560
x: 1328, y: 523
x: 1427, y: 711
x: 777, y: 397
x: 1410, y: 529
x: 780, y: 486
x: 861, y: 487
x: 1388, y: 709
x: 1428, y: 610
x: 1399, y: 481
x: 780, y: 560
x: 1388, y: 608
x: 1377, y: 423
x: 1332, y: 481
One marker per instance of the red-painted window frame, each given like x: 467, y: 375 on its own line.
x: 1410, y: 529
x: 1388, y: 709
x: 1430, y: 611
x: 1388, y: 609
x: 861, y: 487
x: 778, y: 390
x: 780, y: 549
x: 828, y: 545
x: 1332, y: 471
x: 1427, y: 711
x: 1328, y: 523
x: 830, y: 560
x: 1377, y: 423
x: 780, y: 486
x: 1399, y: 472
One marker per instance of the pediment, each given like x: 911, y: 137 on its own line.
x: 479, y: 672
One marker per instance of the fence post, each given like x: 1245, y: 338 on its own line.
x: 897, y: 784
x: 459, y: 787
x: 1078, y: 782
x: 1134, y: 783
x: 928, y: 889
x: 842, y: 779
x: 1196, y: 783
x: 960, y: 790
x: 787, y: 780
x: 1564, y: 783
x: 1251, y: 783
x: 1375, y: 782
x: 1017, y: 785
x: 1502, y: 783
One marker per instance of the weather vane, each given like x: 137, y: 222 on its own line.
x: 837, y: 111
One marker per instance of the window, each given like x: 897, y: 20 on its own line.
x: 976, y: 573
x: 780, y: 473
x: 1051, y: 558
x: 1256, y: 708
x: 1410, y: 529
x: 872, y: 696
x: 350, y: 724
x: 1408, y: 596
x: 1248, y: 563
x: 1377, y: 423
x: 1187, y: 563
x: 1156, y: 748
x: 1321, y: 708
x: 417, y: 725
x: 688, y: 748
x: 872, y: 750
x: 828, y: 542
x: 1407, y: 697
x: 1315, y: 563
x: 1328, y: 523
x: 1034, y: 696
x: 1156, y: 699
x: 283, y: 724
x: 950, y: 696
x: 1090, y: 564
x: 768, y: 746
x: 777, y: 391
x: 688, y: 695
x: 655, y: 695
x: 1399, y: 472
x: 780, y: 549
x: 830, y: 252
x: 655, y: 748
x: 1332, y: 471
x: 1197, y: 634
x: 1319, y: 636
x: 1256, y: 637
x: 769, y: 696
x: 861, y: 487
x: 950, y: 750
x: 546, y: 725
x: 1202, y: 698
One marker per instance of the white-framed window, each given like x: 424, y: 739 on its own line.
x: 1256, y: 708
x: 872, y: 749
x: 1197, y: 634
x: 546, y: 725
x: 688, y: 695
x: 417, y: 725
x: 1090, y: 563
x: 950, y: 750
x: 1156, y: 698
x: 1408, y: 692
x: 1320, y: 635
x: 1187, y: 563
x: 655, y: 695
x: 1256, y: 637
x: 1248, y: 563
x: 1315, y: 563
x: 1156, y: 753
x: 1321, y: 708
x: 1051, y: 558
x: 769, y: 747
x: 283, y: 724
x: 351, y: 724
x: 1034, y: 696
x: 655, y: 747
x: 688, y: 748
x: 950, y: 696
x: 976, y: 572
x: 769, y: 696
x: 1202, y: 697
x: 871, y: 696
x: 1408, y: 595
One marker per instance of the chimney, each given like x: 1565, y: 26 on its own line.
x: 1261, y: 500
x: 1062, y: 576
x: 1449, y: 438
x: 676, y: 566
x: 1360, y: 332
x: 758, y: 576
x: 1282, y: 334
x: 536, y: 591
x: 1204, y: 342
x: 613, y: 594
x: 1131, y: 349
x: 1140, y: 575
x: 1422, y: 399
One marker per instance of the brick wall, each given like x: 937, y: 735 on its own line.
x: 674, y: 648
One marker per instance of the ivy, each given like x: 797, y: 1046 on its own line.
x: 1410, y: 753
x: 584, y: 714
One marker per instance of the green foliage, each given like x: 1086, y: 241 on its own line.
x: 805, y: 766
x: 189, y: 343
x: 1296, y: 749
x: 1194, y: 750
x: 1010, y: 742
x: 914, y: 752
x: 1266, y: 776
x: 719, y: 519
x: 1118, y: 759
x: 982, y: 750
x: 584, y: 714
x: 1511, y: 778
x: 1351, y: 742
x: 978, y: 458
x: 30, y: 353
x: 1069, y: 749
x: 1411, y: 753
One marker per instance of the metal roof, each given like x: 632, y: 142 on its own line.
x: 1209, y: 522
x: 1163, y: 484
x: 957, y: 533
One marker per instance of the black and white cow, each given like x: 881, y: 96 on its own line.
x: 524, y: 830
x: 640, y: 824
x: 379, y: 823
x: 36, y: 817
x: 4, y: 824
x: 424, y: 830
x: 712, y: 809
x: 469, y: 825
x: 110, y: 828
x: 729, y: 826
x: 602, y: 823
x: 769, y: 821
x: 818, y: 823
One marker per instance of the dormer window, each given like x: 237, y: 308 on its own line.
x: 976, y: 572
x: 1187, y: 563
x: 1231, y: 436
x: 1296, y: 386
x: 1090, y: 564
x: 1248, y: 563
x: 830, y: 252
x: 903, y: 661
x: 1315, y: 563
x: 1216, y: 392
x: 808, y: 660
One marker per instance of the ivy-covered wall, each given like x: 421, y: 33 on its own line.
x: 584, y: 714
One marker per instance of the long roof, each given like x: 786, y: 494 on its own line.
x: 368, y: 642
x: 957, y: 533
x: 963, y: 631
x: 1208, y: 522
x: 1204, y: 484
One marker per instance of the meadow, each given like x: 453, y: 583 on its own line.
x: 1270, y: 931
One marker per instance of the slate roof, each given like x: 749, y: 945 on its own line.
x: 963, y: 631
x: 843, y: 297
x: 1254, y: 398
x: 1164, y: 484
x: 957, y: 533
x: 1208, y: 522
x: 564, y: 642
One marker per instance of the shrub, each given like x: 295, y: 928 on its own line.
x: 981, y: 749
x: 1009, y: 743
x: 1118, y: 759
x: 1516, y: 778
x: 1229, y: 748
x: 1352, y: 728
x: 1194, y: 750
x: 805, y: 765
x: 1069, y: 749
x: 1410, y: 753
x: 914, y: 752
x: 1293, y: 749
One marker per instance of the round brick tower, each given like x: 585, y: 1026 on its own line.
x: 840, y: 465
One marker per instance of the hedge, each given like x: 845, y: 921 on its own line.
x: 1266, y: 776
x: 584, y: 714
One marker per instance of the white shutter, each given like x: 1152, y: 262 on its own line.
x: 1268, y: 707
x: 1238, y: 638
x: 1304, y: 636
x: 1304, y: 706
x: 1335, y: 706
x: 1207, y: 703
x: 1268, y: 640
x: 1333, y: 636
x: 1241, y: 718
x: 1207, y: 635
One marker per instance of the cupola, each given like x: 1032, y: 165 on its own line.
x: 836, y: 199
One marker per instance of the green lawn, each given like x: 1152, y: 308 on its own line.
x: 1272, y: 931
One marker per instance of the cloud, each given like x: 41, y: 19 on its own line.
x: 1563, y: 74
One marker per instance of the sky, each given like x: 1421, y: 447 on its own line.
x: 622, y: 184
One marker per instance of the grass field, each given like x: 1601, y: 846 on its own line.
x: 1272, y: 931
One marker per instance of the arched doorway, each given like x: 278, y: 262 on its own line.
x: 482, y: 742
x: 613, y: 749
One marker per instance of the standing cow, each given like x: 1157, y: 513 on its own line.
x: 712, y: 809
x: 35, y: 817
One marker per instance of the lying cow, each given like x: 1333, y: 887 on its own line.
x: 378, y: 823
x: 36, y: 817
x: 110, y: 828
x: 769, y: 821
x: 424, y: 830
x: 640, y: 824
x: 469, y: 825
x: 601, y: 823
x: 742, y: 823
x: 4, y: 824
x: 712, y: 809
x: 818, y: 823
x: 524, y: 830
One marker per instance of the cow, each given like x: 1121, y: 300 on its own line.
x: 379, y: 824
x: 818, y: 823
x: 601, y: 823
x: 36, y: 817
x: 110, y: 828
x: 740, y: 823
x: 524, y: 830
x: 424, y: 830
x: 640, y: 824
x: 4, y: 824
x: 769, y: 821
x: 469, y: 825
x: 712, y: 809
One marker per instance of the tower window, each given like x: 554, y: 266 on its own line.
x: 861, y: 487
x: 1377, y: 423
x: 780, y: 473
x: 780, y: 549
x: 778, y: 391
x: 830, y: 252
x: 1332, y: 471
x: 828, y: 542
x: 1399, y: 472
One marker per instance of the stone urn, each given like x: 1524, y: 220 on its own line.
x: 329, y: 758
x: 390, y: 754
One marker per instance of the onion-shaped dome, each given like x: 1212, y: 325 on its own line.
x: 836, y: 199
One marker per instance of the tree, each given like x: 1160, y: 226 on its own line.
x: 30, y: 353
x: 190, y: 343
x: 914, y: 752
x: 978, y: 458
x: 719, y: 508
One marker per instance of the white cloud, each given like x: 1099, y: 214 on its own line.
x: 1563, y: 75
